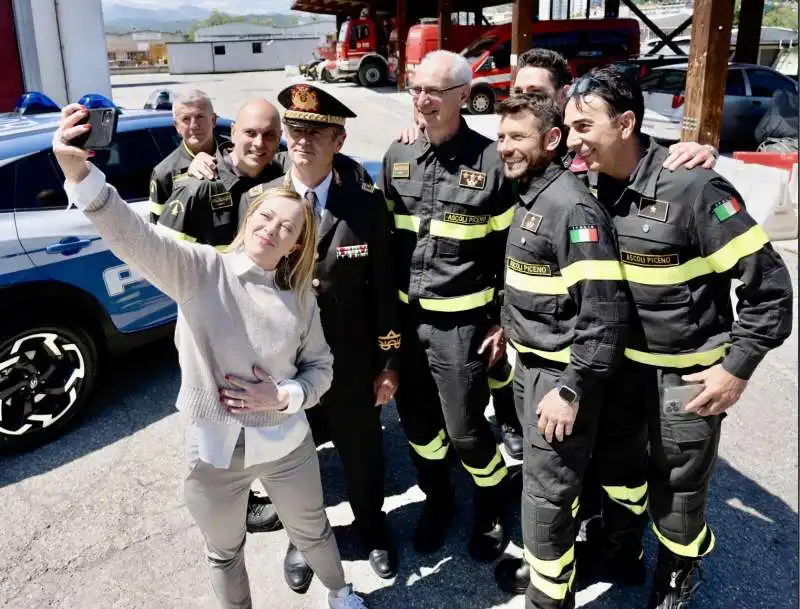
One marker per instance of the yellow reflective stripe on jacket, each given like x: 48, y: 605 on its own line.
x: 455, y: 304
x: 550, y: 568
x: 554, y: 356
x: 157, y: 208
x: 221, y: 248
x: 490, y: 475
x: 677, y: 360
x: 435, y: 450
x: 720, y: 261
x: 692, y: 549
x: 176, y: 234
x: 576, y: 505
x: 404, y: 222
x: 451, y: 230
x: 500, y: 383
x: 737, y: 248
x: 609, y: 270
x: 503, y: 221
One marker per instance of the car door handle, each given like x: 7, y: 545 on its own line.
x: 68, y: 246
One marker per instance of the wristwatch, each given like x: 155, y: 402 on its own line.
x: 568, y: 394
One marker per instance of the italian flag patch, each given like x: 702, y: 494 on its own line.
x: 726, y: 208
x: 583, y: 234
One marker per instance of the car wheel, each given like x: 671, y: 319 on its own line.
x: 326, y: 75
x: 47, y: 371
x: 481, y: 101
x: 371, y: 74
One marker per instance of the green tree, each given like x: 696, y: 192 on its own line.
x: 782, y: 16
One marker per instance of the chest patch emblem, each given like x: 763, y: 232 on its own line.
x: 651, y: 260
x: 653, y: 209
x: 352, y: 251
x: 401, y: 170
x: 531, y: 222
x: 528, y: 268
x: 472, y: 179
x: 465, y: 219
x: 221, y: 201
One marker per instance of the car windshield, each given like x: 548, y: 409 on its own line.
x: 343, y: 32
x: 478, y: 48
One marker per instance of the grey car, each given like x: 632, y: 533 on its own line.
x: 748, y: 95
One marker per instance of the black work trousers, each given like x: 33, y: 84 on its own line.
x: 442, y: 397
x: 502, y: 390
x: 614, y: 436
x: 351, y: 420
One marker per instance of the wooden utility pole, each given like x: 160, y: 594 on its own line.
x: 402, y: 33
x: 748, y: 38
x: 445, y: 8
x: 523, y: 13
x: 708, y: 71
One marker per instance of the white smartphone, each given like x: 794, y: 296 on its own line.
x: 674, y: 399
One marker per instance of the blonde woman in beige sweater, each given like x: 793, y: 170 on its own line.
x: 249, y: 311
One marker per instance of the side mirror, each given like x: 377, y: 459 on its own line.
x: 489, y: 64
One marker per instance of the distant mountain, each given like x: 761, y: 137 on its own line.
x: 113, y: 11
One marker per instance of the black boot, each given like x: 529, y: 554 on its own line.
x: 512, y: 441
x: 488, y: 534
x: 512, y: 575
x: 437, y: 514
x: 675, y: 581
x: 261, y: 515
x: 296, y: 571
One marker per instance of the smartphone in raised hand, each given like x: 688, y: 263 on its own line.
x: 104, y: 128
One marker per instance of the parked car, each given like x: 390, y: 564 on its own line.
x: 748, y: 96
x: 67, y: 303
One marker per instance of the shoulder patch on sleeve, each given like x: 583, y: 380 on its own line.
x: 586, y: 233
x: 726, y: 208
x: 367, y: 187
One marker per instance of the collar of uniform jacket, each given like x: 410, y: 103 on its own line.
x: 647, y: 172
x: 448, y: 149
x: 226, y: 172
x: 540, y: 180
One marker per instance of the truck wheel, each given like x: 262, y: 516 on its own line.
x: 371, y: 74
x: 47, y: 371
x: 481, y: 101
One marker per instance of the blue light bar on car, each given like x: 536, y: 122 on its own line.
x: 34, y: 102
x: 95, y: 100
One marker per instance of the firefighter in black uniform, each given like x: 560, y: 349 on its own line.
x: 451, y: 209
x: 566, y: 314
x: 683, y: 237
x: 194, y: 121
x: 207, y: 211
x: 358, y: 304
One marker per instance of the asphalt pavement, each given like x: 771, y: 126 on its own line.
x: 96, y: 519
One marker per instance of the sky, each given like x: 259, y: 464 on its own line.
x: 230, y: 6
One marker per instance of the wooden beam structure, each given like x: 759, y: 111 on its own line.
x: 708, y: 71
x: 523, y: 13
x: 445, y: 8
x: 670, y: 37
x: 402, y: 33
x: 646, y: 20
x: 748, y: 38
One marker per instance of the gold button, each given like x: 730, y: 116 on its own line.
x: 315, y: 283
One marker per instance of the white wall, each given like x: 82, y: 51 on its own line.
x: 198, y: 57
x: 63, y: 47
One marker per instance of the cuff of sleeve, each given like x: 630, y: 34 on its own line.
x: 741, y: 363
x: 296, y: 396
x: 576, y: 381
x: 87, y: 190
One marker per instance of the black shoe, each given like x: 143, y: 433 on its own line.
x: 382, y: 550
x: 513, y: 442
x: 512, y: 575
x: 384, y: 562
x: 675, y: 581
x: 261, y: 515
x: 296, y: 571
x: 488, y: 540
x: 437, y: 514
x: 599, y: 560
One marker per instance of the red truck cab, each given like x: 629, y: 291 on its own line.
x: 362, y: 51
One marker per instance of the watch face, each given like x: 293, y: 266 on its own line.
x: 567, y: 394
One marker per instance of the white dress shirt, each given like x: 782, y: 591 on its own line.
x: 321, y: 191
x: 217, y: 441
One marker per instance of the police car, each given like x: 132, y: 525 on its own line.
x: 66, y: 302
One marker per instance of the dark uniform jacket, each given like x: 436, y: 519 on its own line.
x: 565, y: 299
x: 683, y: 236
x: 355, y: 289
x: 165, y: 175
x: 452, y: 207
x: 207, y: 211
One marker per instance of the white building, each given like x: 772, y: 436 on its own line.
x: 239, y: 55
x: 254, y: 31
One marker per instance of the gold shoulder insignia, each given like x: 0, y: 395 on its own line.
x: 256, y: 190
x: 367, y: 187
x: 390, y: 341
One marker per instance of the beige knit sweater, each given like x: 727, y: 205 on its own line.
x: 231, y: 315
